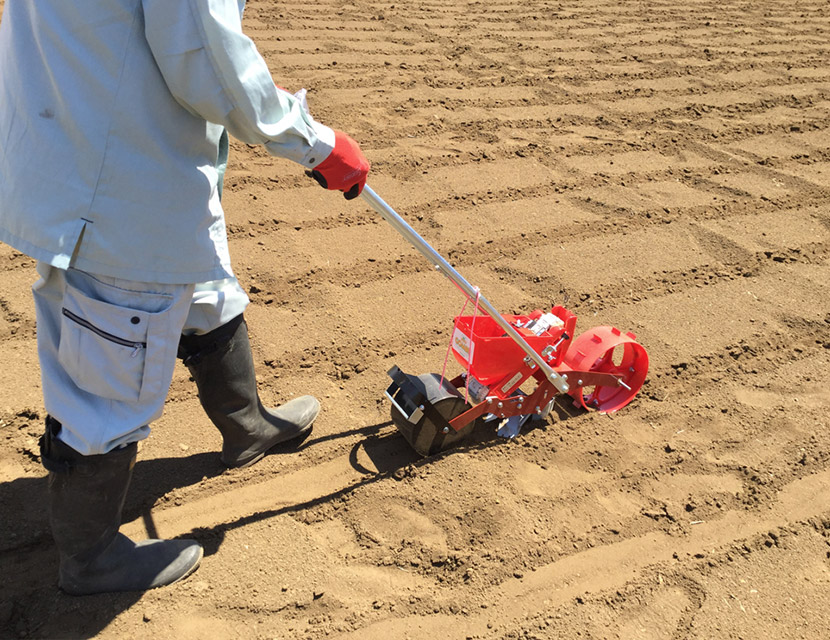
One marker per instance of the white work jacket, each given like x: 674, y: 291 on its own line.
x: 111, y: 113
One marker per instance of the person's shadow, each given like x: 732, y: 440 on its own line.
x: 31, y: 605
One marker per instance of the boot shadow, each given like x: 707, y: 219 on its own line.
x: 153, y: 479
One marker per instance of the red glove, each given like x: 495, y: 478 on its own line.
x: 345, y: 169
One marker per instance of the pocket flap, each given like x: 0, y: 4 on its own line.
x: 107, y: 320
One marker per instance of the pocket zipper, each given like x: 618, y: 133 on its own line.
x: 137, y: 346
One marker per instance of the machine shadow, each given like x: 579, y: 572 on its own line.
x: 390, y: 455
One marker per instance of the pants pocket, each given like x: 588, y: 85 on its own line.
x: 103, y: 345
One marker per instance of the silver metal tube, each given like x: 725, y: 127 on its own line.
x: 410, y: 235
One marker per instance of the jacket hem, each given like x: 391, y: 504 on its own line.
x: 137, y: 274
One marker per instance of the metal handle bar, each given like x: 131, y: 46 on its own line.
x: 401, y: 226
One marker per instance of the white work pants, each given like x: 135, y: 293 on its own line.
x: 107, y: 348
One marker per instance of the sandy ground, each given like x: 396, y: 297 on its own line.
x: 660, y: 166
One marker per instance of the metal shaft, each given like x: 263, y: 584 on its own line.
x: 440, y: 264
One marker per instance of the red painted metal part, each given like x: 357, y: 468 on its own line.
x: 604, y: 367
x: 607, y: 350
x: 525, y: 404
x: 495, y: 360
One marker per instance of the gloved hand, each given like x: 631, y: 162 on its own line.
x: 345, y: 169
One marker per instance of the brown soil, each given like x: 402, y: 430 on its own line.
x: 660, y: 166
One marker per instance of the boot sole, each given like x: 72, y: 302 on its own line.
x: 190, y: 571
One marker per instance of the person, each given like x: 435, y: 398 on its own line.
x: 113, y: 120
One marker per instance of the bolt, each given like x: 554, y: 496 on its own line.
x: 564, y: 376
x: 446, y: 429
x: 631, y: 369
x: 519, y: 406
x: 500, y: 405
x: 421, y: 407
x: 579, y: 382
x: 538, y: 409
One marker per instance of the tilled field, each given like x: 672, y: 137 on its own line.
x: 662, y: 167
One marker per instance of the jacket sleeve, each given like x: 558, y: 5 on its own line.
x: 215, y: 71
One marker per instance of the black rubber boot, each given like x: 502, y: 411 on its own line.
x: 222, y: 365
x: 86, y: 495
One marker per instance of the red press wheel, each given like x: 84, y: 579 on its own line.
x: 608, y: 350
